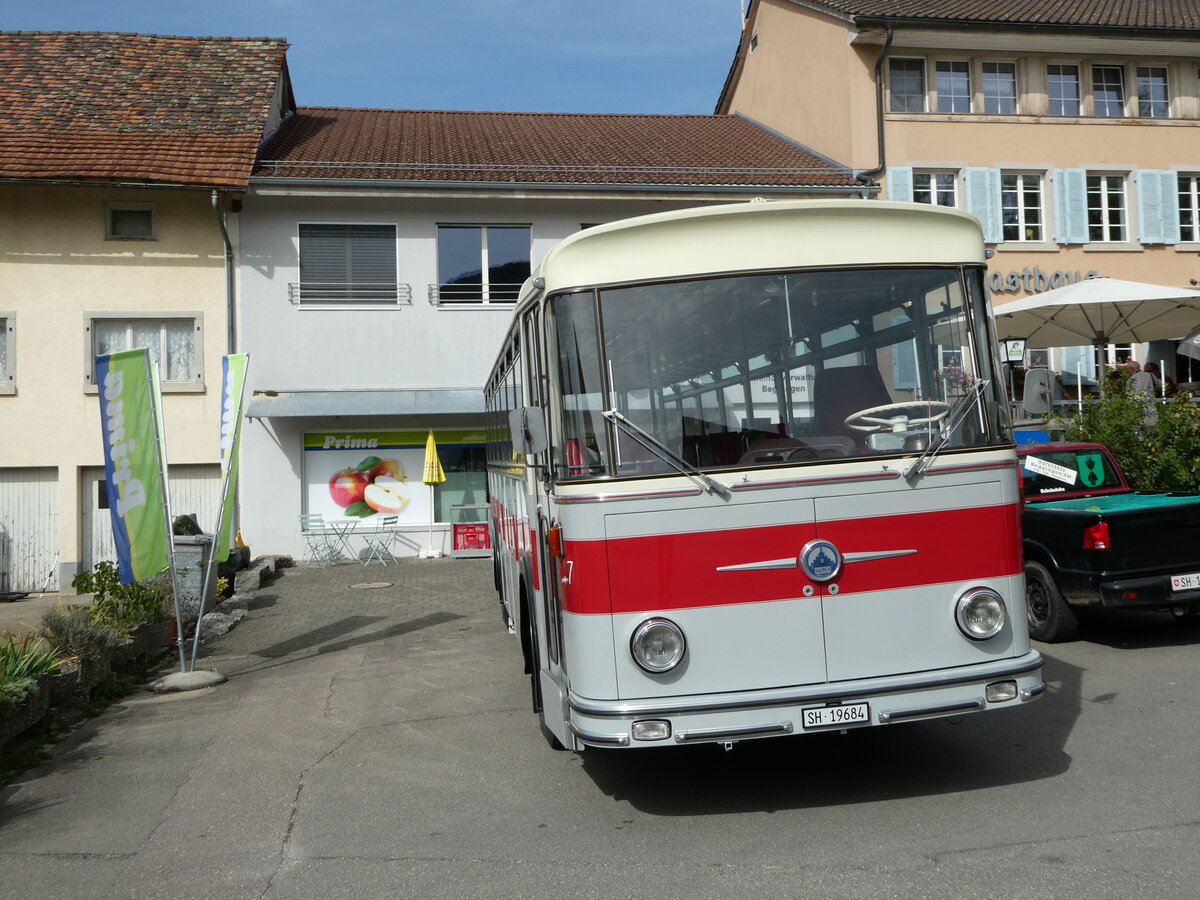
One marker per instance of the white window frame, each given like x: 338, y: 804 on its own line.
x: 925, y: 106
x: 486, y: 288
x: 1137, y: 82
x: 1190, y: 187
x: 1116, y: 66
x: 1127, y: 224
x: 8, y: 334
x: 110, y: 208
x: 1080, y: 92
x: 1022, y: 211
x: 194, y: 385
x: 1016, y: 82
x: 935, y: 97
x: 936, y: 190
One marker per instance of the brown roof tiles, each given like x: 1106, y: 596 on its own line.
x: 134, y: 107
x: 1148, y: 14
x: 540, y: 148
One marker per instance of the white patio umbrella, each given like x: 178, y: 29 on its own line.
x: 1100, y: 311
x: 1190, y: 347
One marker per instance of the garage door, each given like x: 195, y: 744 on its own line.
x: 28, y: 529
x: 194, y: 489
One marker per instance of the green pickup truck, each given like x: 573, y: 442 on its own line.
x: 1092, y: 541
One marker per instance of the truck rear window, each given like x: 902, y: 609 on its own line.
x: 1055, y: 472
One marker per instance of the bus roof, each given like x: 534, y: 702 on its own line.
x: 762, y: 235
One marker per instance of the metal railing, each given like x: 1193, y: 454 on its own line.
x: 474, y: 294
x: 358, y: 293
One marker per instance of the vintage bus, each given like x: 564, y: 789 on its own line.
x: 751, y: 475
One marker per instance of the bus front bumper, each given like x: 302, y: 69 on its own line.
x: 751, y: 715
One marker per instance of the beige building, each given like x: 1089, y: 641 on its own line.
x: 121, y: 157
x: 1071, y: 130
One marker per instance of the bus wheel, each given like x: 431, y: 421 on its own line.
x: 1050, y: 618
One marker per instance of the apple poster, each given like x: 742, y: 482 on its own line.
x: 364, y: 476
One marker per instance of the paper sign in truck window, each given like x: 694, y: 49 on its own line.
x: 1049, y: 469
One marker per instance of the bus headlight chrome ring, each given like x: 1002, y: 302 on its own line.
x: 980, y: 613
x: 657, y: 645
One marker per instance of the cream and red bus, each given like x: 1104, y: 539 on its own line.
x: 751, y: 475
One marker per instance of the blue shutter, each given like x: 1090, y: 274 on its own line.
x: 983, y: 202
x: 1073, y: 356
x: 904, y: 360
x: 1150, y: 221
x: 900, y: 183
x: 1169, y: 182
x: 1070, y: 206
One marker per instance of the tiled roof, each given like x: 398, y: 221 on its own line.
x: 86, y: 106
x: 539, y: 148
x: 1151, y: 14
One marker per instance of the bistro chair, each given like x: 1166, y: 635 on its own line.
x: 321, y: 546
x: 379, y: 541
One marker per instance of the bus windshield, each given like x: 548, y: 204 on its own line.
x: 775, y: 368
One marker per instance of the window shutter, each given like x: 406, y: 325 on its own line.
x: 1169, y: 186
x: 1070, y: 206
x: 900, y: 183
x: 373, y: 260
x: 904, y: 361
x: 1150, y: 218
x: 983, y: 202
x: 323, y: 254
x: 1079, y: 358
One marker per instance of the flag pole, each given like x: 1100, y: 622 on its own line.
x: 160, y: 440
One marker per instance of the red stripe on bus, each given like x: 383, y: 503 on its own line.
x: 679, y: 571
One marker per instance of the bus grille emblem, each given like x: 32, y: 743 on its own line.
x: 820, y: 560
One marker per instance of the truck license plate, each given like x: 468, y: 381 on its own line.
x: 836, y: 716
x: 1189, y: 582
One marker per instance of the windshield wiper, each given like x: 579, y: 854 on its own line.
x: 666, y: 454
x: 958, y: 412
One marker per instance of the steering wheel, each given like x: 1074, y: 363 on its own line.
x: 898, y: 417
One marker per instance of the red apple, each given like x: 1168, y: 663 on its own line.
x: 389, y: 467
x: 346, y: 487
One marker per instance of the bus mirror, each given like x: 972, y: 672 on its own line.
x: 528, y: 428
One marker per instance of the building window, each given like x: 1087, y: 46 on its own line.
x: 482, y: 263
x: 936, y: 188
x: 953, y: 86
x: 1108, y: 90
x: 1153, y: 100
x: 907, y: 77
x: 129, y: 222
x: 1021, y: 207
x: 7, y: 354
x: 1189, y: 208
x: 173, y: 342
x: 1106, y: 208
x: 1062, y: 84
x: 1000, y: 88
x: 347, y: 263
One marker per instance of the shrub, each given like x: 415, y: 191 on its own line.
x: 124, y: 606
x: 74, y: 630
x: 22, y: 660
x: 1156, y: 443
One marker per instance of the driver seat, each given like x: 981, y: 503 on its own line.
x: 838, y: 392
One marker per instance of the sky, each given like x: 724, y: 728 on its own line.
x: 593, y: 56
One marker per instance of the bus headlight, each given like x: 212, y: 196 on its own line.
x: 657, y: 645
x: 980, y: 613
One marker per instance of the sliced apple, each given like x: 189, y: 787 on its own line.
x: 386, y: 495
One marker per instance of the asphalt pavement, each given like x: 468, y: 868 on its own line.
x: 374, y: 740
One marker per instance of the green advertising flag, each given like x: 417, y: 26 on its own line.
x: 233, y: 383
x: 132, y: 463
